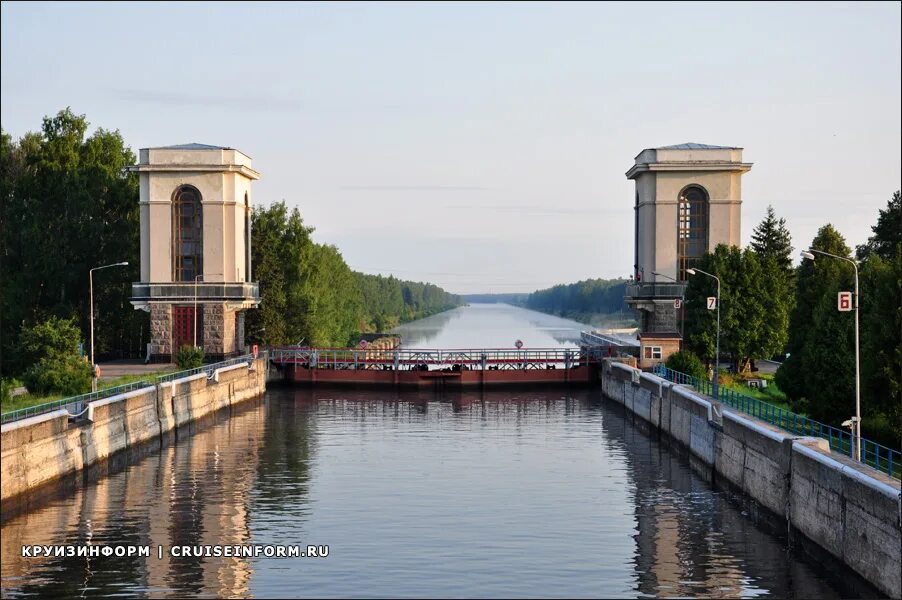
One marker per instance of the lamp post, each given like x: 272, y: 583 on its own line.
x: 91, y: 300
x: 856, y: 420
x: 716, y: 383
x: 682, y: 300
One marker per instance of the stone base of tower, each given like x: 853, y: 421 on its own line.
x: 218, y: 328
x: 160, y: 333
x: 223, y: 332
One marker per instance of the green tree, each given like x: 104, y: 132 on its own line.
x: 881, y: 326
x: 771, y: 240
x: 881, y: 348
x: 772, y: 244
x: 604, y: 296
x: 816, y: 329
x: 50, y: 348
x: 743, y: 307
x: 68, y: 206
x: 281, y: 251
x: 688, y: 363
x: 887, y: 232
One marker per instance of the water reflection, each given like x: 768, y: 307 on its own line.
x: 527, y: 493
x: 195, y: 491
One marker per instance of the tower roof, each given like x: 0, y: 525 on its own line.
x: 696, y: 146
x: 191, y: 146
x: 690, y: 156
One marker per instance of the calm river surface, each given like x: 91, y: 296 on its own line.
x: 551, y: 492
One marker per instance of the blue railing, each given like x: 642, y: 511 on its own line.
x: 873, y: 454
x: 76, y: 404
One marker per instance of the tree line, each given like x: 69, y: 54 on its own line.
x: 771, y: 308
x: 67, y: 205
x: 604, y: 296
x: 311, y: 296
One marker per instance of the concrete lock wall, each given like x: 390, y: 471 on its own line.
x: 850, y: 510
x: 42, y: 449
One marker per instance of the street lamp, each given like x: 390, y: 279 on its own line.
x: 716, y: 382
x: 91, y: 287
x: 856, y: 420
x: 682, y: 300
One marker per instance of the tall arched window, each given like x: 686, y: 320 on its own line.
x: 692, y: 228
x: 187, y: 234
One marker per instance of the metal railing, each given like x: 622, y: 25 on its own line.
x: 417, y: 359
x: 872, y: 454
x: 655, y: 290
x: 76, y: 404
x: 203, y: 290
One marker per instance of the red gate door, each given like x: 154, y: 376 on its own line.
x: 183, y: 327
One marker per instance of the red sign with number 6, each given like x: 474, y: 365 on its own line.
x: 844, y: 301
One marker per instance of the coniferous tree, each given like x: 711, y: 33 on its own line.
x: 772, y: 244
x: 771, y: 240
x: 887, y: 232
x: 818, y: 334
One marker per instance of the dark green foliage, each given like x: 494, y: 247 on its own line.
x: 189, y: 357
x: 688, y: 363
x: 6, y: 390
x: 310, y: 295
x: 588, y: 296
x: 817, y: 283
x: 771, y: 241
x: 772, y: 244
x: 68, y: 205
x: 53, y: 338
x: 67, y: 375
x: 50, y: 349
x: 887, y: 232
x: 745, y: 319
x: 388, y: 301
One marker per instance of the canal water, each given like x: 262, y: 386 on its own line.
x: 533, y: 493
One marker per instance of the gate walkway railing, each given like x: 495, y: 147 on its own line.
x: 423, y: 359
x: 873, y: 454
x: 76, y: 404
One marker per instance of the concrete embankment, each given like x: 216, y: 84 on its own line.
x: 43, y: 449
x: 848, y: 509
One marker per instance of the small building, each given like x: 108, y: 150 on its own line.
x: 688, y: 200
x: 196, y: 276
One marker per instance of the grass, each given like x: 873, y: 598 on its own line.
x: 771, y: 394
x: 26, y: 400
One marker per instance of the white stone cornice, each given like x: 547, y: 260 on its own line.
x: 688, y: 166
x: 169, y: 168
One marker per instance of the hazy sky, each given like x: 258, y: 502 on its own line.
x: 483, y: 146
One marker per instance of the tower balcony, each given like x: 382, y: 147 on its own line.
x: 239, y: 295
x: 641, y: 292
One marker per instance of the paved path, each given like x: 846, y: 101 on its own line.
x: 118, y: 368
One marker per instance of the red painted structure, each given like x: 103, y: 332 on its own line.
x: 436, y: 368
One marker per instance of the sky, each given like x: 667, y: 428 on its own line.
x: 483, y: 147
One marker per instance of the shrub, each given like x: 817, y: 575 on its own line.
x: 50, y: 349
x: 6, y: 390
x: 686, y: 362
x: 54, y: 339
x: 189, y: 357
x: 68, y: 375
